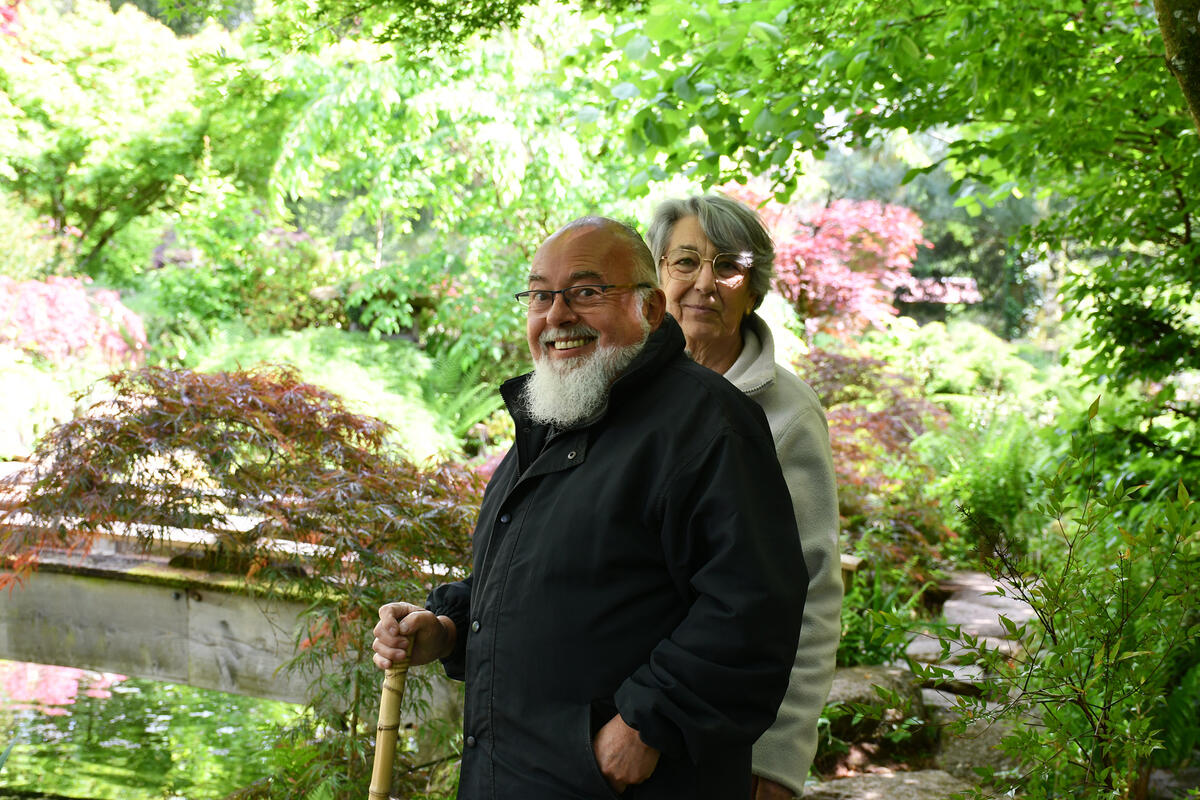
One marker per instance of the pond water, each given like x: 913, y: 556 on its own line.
x: 97, y: 735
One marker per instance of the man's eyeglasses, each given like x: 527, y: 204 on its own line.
x: 729, y: 269
x: 581, y: 297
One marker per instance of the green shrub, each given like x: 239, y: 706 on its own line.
x: 1146, y: 434
x: 1108, y: 684
x: 28, y: 246
x: 125, y: 260
x: 961, y: 366
x: 990, y: 468
x: 879, y: 609
x: 227, y: 260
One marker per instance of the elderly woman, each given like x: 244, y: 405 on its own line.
x: 715, y: 263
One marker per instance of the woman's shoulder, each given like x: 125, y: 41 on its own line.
x: 789, y: 403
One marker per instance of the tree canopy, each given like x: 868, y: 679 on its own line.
x: 1072, y: 101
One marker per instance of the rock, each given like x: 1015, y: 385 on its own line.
x: 976, y: 619
x: 920, y: 785
x: 856, y: 686
x: 977, y: 746
x: 976, y: 582
x: 1015, y: 609
x: 941, y: 708
x: 1173, y: 784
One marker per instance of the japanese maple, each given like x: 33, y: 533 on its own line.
x: 838, y: 264
x: 61, y: 319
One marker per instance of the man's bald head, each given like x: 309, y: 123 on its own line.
x: 639, y: 254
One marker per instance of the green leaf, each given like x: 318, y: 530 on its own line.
x: 588, y: 114
x: 766, y: 32
x: 909, y: 48
x: 765, y: 123
x: 639, y: 47
x: 625, y: 91
x: 856, y: 66
x: 662, y: 27
x: 731, y: 40
x: 653, y: 131
x: 1094, y: 409
x: 683, y: 89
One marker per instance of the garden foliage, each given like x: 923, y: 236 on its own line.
x: 839, y: 264
x: 300, y: 496
x: 725, y: 91
x: 60, y: 319
x: 1107, y: 685
x: 874, y: 416
x: 95, y: 126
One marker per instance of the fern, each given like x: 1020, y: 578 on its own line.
x: 456, y: 395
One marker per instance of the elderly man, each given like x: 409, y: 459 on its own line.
x: 638, y: 584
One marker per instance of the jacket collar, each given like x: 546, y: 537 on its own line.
x: 754, y: 369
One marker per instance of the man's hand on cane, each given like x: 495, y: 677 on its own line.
x: 403, y: 627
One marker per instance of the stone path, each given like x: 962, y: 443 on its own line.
x: 954, y: 759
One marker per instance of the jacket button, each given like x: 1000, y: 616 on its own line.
x: 571, y: 456
x: 470, y: 741
x: 504, y: 518
x: 475, y: 626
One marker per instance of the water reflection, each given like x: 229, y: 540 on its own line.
x: 104, y: 736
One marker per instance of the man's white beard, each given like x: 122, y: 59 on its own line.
x: 564, y: 392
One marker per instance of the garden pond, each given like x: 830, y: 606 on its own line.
x: 83, y: 734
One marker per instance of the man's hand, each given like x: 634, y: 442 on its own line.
x: 623, y: 757
x: 767, y: 789
x: 404, y: 629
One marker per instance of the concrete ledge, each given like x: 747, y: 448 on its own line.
x: 148, y: 620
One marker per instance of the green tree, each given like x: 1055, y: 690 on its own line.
x: 440, y: 175
x: 1071, y: 101
x: 1076, y: 99
x: 95, y: 128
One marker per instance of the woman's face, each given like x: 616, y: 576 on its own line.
x: 707, y: 311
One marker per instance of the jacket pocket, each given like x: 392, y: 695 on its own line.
x: 595, y: 717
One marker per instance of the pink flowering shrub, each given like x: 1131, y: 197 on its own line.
x: 8, y: 17
x: 60, y: 319
x: 839, y: 264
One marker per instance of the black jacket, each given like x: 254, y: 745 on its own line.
x: 645, y: 562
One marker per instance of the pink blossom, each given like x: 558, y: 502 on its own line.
x: 59, y: 318
x: 8, y: 18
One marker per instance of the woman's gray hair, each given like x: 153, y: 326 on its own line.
x: 731, y: 226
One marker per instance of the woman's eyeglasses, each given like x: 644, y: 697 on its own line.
x: 729, y: 269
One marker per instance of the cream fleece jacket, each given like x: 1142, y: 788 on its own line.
x: 785, y: 752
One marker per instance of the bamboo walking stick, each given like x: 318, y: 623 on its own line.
x: 387, y: 731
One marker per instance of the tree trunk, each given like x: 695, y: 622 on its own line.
x: 1179, y: 21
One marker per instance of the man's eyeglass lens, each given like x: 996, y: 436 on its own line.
x: 583, y: 296
x: 729, y: 269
